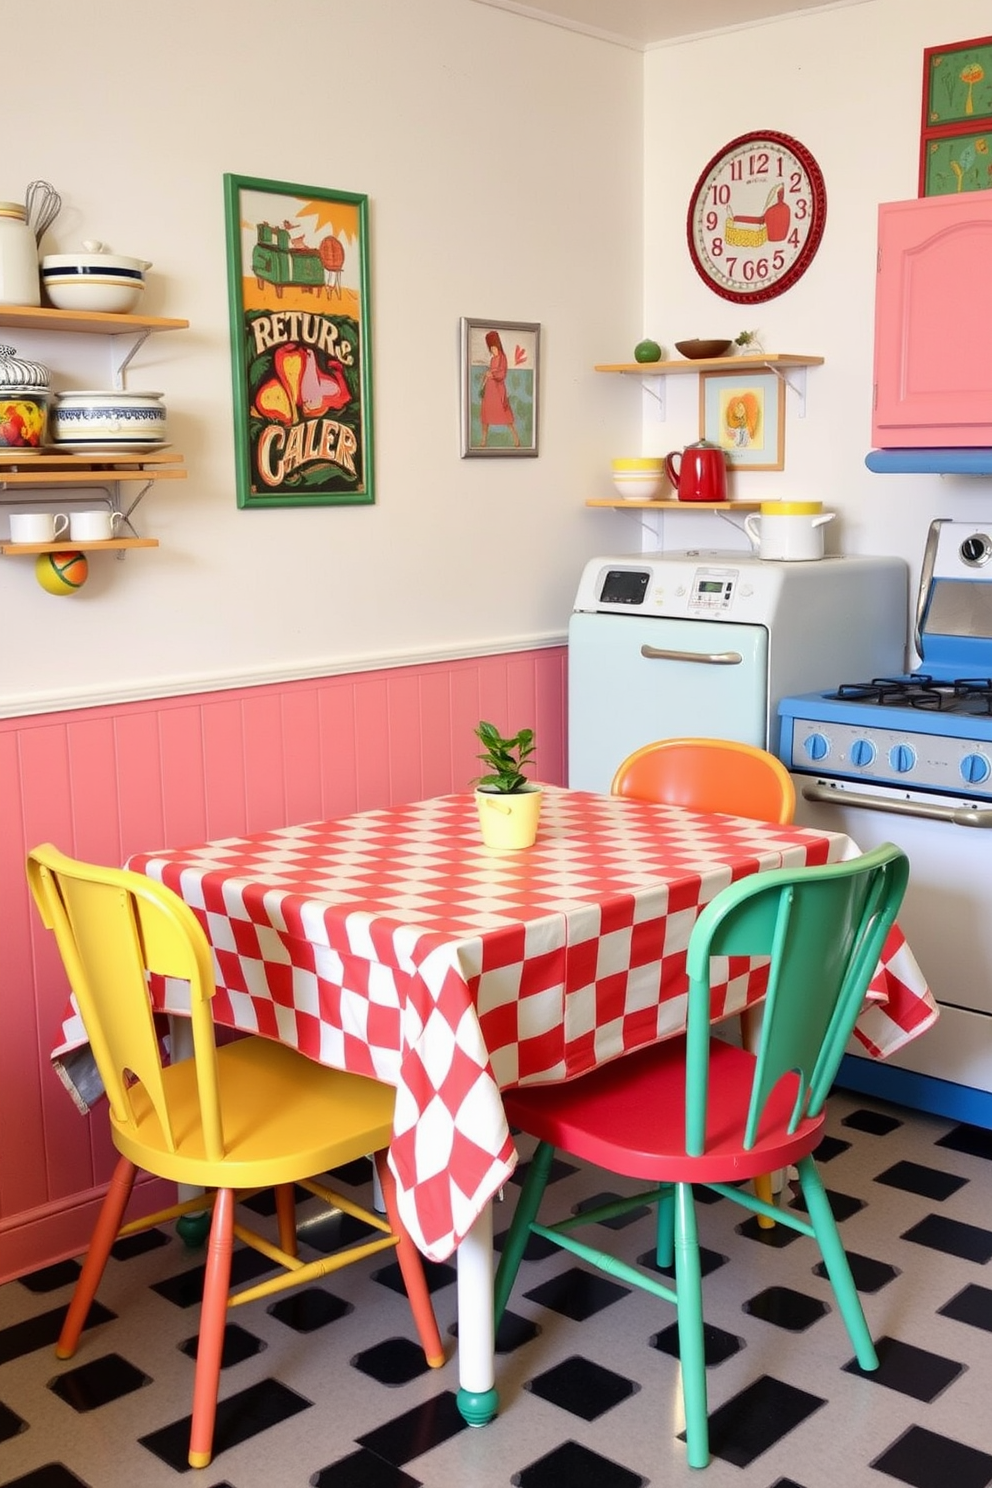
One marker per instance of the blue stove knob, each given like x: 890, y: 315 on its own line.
x: 902, y: 758
x: 976, y: 768
x: 816, y: 746
x: 862, y: 752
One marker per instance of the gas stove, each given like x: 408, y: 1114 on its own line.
x: 929, y: 730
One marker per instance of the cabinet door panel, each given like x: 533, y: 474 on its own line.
x: 933, y: 323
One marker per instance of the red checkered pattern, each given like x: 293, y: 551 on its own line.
x: 393, y: 943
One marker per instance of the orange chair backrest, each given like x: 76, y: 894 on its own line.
x: 709, y: 775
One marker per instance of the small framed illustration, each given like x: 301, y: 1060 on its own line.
x: 500, y: 376
x: 744, y: 413
x: 957, y: 84
x: 958, y: 160
x: 298, y: 290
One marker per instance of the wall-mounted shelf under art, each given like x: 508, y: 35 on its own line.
x: 781, y: 363
x: 622, y: 503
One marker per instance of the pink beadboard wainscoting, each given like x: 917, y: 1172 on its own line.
x: 105, y: 782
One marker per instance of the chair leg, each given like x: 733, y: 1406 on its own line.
x: 835, y: 1259
x: 763, y: 1190
x: 104, y: 1234
x: 515, y: 1243
x: 213, y: 1316
x: 286, y: 1217
x: 412, y: 1270
x: 664, y: 1245
x: 692, y: 1351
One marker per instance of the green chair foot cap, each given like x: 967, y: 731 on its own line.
x: 478, y: 1407
x: 193, y: 1229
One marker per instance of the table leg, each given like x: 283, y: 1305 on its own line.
x: 477, y: 1397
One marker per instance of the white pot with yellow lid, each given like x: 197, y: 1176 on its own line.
x: 788, y: 531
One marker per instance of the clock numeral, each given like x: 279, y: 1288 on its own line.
x: 720, y: 192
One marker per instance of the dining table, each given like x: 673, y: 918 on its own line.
x: 392, y: 943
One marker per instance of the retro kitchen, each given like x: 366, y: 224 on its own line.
x: 614, y: 386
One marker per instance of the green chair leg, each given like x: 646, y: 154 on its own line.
x: 692, y: 1352
x: 835, y: 1259
x: 515, y: 1243
x: 664, y: 1247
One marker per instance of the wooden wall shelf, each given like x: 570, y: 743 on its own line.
x: 684, y: 365
x: 685, y: 506
x: 65, y: 545
x: 93, y: 322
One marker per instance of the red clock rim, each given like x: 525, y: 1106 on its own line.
x: 819, y: 213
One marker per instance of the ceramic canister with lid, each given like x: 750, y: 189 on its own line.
x: 790, y: 531
x: 19, y: 276
x: 24, y: 398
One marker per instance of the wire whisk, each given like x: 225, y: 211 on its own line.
x: 42, y: 205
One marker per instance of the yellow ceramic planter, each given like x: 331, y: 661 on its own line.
x: 509, y: 819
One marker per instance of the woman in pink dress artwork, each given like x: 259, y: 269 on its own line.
x: 494, y: 406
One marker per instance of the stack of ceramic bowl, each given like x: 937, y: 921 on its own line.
x: 107, y: 423
x: 95, y: 279
x: 639, y: 478
x: 24, y: 399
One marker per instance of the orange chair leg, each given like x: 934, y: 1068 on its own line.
x: 286, y: 1216
x: 763, y: 1190
x: 104, y: 1235
x: 412, y: 1269
x: 213, y: 1316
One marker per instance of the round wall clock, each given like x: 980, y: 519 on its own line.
x: 756, y: 216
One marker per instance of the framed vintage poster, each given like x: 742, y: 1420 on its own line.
x: 957, y: 161
x: 500, y: 374
x: 744, y: 413
x: 956, y: 131
x: 298, y: 287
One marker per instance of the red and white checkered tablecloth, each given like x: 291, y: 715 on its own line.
x: 392, y: 943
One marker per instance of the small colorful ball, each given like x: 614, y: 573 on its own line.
x: 62, y: 572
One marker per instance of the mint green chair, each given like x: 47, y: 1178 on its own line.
x: 698, y: 1110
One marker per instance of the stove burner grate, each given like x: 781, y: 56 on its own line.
x: 971, y: 695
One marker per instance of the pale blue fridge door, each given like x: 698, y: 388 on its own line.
x: 632, y: 679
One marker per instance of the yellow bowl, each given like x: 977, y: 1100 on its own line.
x: 638, y: 485
x: 638, y: 463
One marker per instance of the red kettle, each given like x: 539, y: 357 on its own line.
x: 701, y: 474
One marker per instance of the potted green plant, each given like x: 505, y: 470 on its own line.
x: 509, y: 804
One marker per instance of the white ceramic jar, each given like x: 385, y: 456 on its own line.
x: 19, y: 278
x: 789, y: 531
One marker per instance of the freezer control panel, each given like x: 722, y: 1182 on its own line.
x: 712, y: 590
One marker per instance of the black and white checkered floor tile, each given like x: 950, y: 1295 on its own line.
x: 326, y: 1386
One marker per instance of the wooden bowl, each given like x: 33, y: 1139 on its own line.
x: 698, y: 350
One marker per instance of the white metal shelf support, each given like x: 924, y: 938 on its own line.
x: 798, y: 386
x: 138, y: 339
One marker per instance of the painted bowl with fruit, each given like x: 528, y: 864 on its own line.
x: 24, y: 402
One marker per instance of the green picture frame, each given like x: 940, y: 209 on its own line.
x: 956, y: 161
x: 957, y: 84
x: 301, y: 343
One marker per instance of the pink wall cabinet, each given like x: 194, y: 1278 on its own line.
x: 933, y: 323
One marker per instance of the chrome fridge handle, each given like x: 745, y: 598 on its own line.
x: 709, y: 658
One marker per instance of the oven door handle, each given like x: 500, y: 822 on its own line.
x: 958, y: 816
x: 709, y: 658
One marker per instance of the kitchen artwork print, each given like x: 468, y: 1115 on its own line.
x: 298, y: 284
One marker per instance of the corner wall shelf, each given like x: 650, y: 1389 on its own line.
x: 621, y: 504
x: 781, y: 363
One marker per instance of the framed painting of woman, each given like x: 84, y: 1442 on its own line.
x: 500, y: 373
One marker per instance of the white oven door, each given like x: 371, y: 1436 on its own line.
x: 634, y: 678
x: 946, y: 916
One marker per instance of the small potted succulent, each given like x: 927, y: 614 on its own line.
x: 509, y: 804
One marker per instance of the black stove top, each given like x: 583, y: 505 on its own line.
x: 970, y: 696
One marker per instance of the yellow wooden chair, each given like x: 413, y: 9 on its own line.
x: 249, y: 1115
x: 719, y: 775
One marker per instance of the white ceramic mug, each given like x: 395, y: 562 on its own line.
x: 37, y: 527
x: 94, y: 526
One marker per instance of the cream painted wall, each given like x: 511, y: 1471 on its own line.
x: 503, y: 162
x: 847, y: 83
